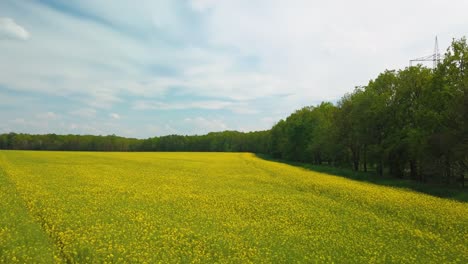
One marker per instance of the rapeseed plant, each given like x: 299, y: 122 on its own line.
x: 87, y: 207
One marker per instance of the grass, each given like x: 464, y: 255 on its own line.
x: 22, y: 239
x: 82, y: 207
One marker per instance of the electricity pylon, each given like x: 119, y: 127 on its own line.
x: 435, y: 57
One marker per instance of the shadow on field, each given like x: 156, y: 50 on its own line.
x: 442, y: 191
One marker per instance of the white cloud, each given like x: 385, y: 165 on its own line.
x: 84, y: 112
x: 20, y: 121
x: 50, y: 122
x: 100, y: 75
x: 9, y: 29
x: 206, y: 125
x: 5, y: 129
x: 12, y: 100
x: 114, y: 116
x: 202, y: 5
x: 320, y: 50
x: 48, y: 116
x: 238, y: 107
x: 71, y: 63
x: 161, y: 130
x: 209, y: 105
x: 269, y: 121
x: 40, y: 123
x: 284, y: 54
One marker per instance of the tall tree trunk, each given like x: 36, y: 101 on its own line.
x: 356, y: 165
x: 447, y: 169
x: 413, y: 170
x: 355, y: 154
x: 395, y: 169
x: 365, y: 159
x: 380, y: 167
x: 464, y: 169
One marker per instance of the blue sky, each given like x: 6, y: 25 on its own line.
x: 150, y: 68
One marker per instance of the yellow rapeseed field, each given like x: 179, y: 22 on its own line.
x: 91, y: 207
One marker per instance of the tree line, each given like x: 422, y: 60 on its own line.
x: 226, y: 141
x: 409, y: 123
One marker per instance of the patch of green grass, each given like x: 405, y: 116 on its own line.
x: 22, y: 239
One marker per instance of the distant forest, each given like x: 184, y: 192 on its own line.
x: 409, y: 123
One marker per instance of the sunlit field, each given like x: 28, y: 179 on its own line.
x: 212, y: 207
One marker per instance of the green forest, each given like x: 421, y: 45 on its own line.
x: 408, y: 123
